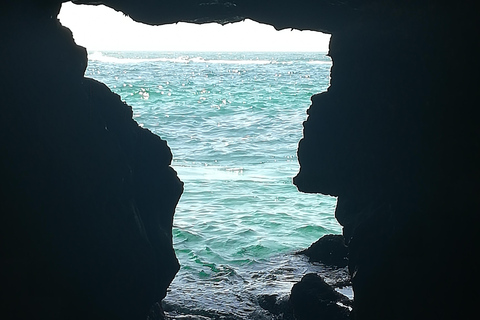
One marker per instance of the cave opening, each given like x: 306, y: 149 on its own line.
x: 230, y: 107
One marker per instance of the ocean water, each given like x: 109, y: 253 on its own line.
x: 233, y: 122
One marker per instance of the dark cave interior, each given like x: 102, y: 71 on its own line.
x: 87, y: 213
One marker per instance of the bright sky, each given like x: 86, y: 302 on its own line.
x: 102, y: 28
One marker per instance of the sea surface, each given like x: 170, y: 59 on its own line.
x: 233, y: 122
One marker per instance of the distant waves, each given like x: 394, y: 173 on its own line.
x: 105, y: 57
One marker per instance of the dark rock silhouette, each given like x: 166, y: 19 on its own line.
x: 279, y: 307
x: 394, y: 140
x: 329, y: 249
x: 312, y: 298
x: 87, y: 196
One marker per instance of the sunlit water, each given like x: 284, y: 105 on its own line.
x: 233, y: 122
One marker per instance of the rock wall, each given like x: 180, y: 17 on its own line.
x: 395, y: 140
x: 88, y: 196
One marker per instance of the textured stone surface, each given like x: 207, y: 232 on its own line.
x: 300, y: 14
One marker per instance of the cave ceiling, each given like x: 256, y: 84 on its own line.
x: 318, y: 15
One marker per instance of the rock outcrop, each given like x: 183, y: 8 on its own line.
x: 312, y: 298
x: 88, y: 196
x: 329, y: 250
x: 394, y: 139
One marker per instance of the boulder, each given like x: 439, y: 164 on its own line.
x: 329, y: 250
x: 312, y: 298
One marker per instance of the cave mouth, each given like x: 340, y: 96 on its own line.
x: 232, y: 118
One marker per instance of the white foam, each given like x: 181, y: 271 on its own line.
x: 99, y: 56
x: 319, y: 62
x: 240, y: 61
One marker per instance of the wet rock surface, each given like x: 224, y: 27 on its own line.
x: 279, y: 307
x: 312, y: 298
x: 329, y: 249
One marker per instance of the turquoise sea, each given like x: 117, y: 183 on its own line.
x: 233, y: 122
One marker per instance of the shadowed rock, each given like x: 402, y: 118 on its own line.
x: 312, y: 298
x: 278, y: 306
x: 329, y: 249
x: 393, y: 138
x: 87, y: 195
x: 301, y: 14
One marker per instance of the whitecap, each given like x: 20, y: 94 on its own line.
x: 239, y: 61
x: 318, y: 62
x: 99, y: 56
